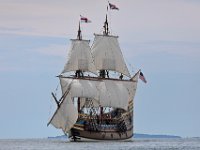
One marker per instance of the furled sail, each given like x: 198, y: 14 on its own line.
x: 112, y: 93
x: 107, y: 54
x: 65, y: 116
x: 80, y: 57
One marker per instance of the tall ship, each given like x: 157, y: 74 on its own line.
x: 97, y: 90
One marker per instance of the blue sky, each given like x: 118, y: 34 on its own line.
x: 160, y: 37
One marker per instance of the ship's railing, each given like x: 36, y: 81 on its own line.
x: 82, y: 116
x: 104, y: 122
x: 105, y: 118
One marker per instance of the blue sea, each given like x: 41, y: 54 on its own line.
x: 136, y: 144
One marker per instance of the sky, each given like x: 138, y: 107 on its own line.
x: 160, y: 37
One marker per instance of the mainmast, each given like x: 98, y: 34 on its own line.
x: 107, y: 53
x: 79, y: 72
x: 79, y: 36
x: 106, y: 29
x: 103, y: 73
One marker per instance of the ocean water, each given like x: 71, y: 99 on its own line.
x: 136, y: 144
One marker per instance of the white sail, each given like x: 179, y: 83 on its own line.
x: 112, y: 93
x: 116, y: 93
x: 79, y: 87
x: 107, y: 54
x: 80, y: 57
x: 65, y: 116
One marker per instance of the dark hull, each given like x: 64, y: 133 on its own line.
x: 102, y: 135
x: 121, y: 129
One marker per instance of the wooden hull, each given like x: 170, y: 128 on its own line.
x: 101, y: 135
x: 120, y: 130
x: 119, y: 127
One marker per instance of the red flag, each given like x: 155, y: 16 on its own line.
x: 112, y: 6
x: 142, y: 77
x: 85, y: 20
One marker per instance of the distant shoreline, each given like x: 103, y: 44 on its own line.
x: 139, y: 135
x: 136, y: 135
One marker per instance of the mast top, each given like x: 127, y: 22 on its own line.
x: 106, y: 29
x: 79, y: 36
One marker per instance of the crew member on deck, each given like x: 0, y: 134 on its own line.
x: 107, y: 73
x: 79, y: 73
x: 121, y: 76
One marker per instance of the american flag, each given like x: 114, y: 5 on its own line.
x: 112, y: 6
x: 85, y: 20
x: 142, y: 77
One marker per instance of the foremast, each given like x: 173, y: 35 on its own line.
x: 80, y: 58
